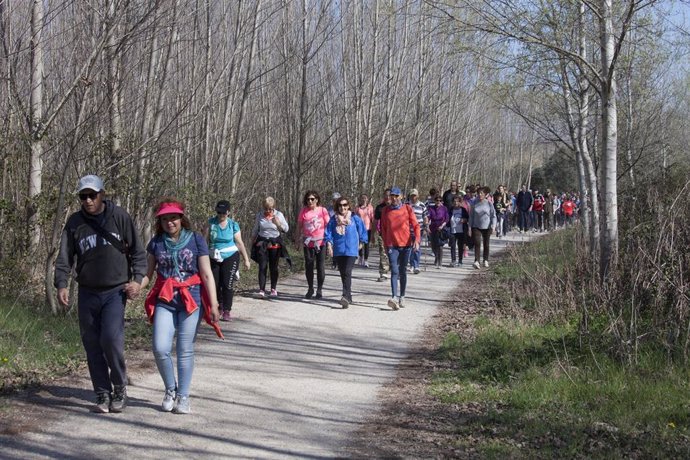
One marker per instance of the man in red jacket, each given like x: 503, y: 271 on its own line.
x: 401, y: 233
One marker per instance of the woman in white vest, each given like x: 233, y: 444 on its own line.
x: 225, y: 246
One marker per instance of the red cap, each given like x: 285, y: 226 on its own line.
x: 170, y: 208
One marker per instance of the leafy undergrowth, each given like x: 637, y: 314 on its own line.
x: 543, y: 395
x: 497, y: 376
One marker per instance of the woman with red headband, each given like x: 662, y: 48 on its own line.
x: 180, y: 258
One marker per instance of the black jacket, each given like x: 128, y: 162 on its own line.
x: 99, y: 265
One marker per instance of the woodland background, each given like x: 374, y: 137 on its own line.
x: 239, y: 99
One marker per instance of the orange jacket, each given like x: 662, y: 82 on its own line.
x: 397, y: 226
x: 164, y: 289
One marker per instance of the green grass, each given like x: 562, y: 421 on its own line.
x: 552, y: 393
x: 35, y: 345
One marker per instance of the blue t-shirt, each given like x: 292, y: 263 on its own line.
x: 222, y: 239
x: 187, y: 259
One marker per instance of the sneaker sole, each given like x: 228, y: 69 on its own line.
x: 344, y: 303
x: 100, y: 410
x: 393, y: 304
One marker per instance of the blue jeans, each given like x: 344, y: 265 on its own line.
x: 399, y: 258
x: 415, y: 258
x: 166, y: 320
x: 102, y: 329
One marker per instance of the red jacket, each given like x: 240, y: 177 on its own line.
x: 164, y: 289
x: 397, y: 226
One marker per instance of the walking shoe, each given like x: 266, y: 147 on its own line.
x: 409, y: 269
x: 318, y: 294
x: 366, y: 264
x: 168, y: 400
x: 102, y: 403
x: 274, y: 293
x: 309, y: 294
x: 382, y: 278
x: 119, y: 401
x: 476, y: 264
x: 262, y: 293
x: 416, y: 271
x: 486, y: 263
x: 401, y: 301
x: 393, y: 304
x: 226, y: 316
x: 182, y: 405
x: 344, y: 302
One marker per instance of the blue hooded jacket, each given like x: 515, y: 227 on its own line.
x: 347, y: 244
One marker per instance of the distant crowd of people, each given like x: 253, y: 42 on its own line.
x: 195, y: 272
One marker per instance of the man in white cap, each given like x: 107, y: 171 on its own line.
x: 110, y: 261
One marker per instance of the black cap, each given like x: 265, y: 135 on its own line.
x: 223, y: 206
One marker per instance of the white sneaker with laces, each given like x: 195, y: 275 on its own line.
x: 182, y: 405
x: 476, y: 264
x: 486, y: 263
x: 168, y: 401
x: 401, y: 301
x: 393, y: 304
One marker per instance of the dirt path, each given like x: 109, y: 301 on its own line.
x: 294, y: 378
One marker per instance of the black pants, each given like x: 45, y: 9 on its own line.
x: 345, y: 265
x: 269, y: 260
x: 481, y: 235
x: 224, y: 276
x: 102, y: 329
x: 364, y: 252
x: 457, y: 240
x: 315, y: 256
x: 437, y: 247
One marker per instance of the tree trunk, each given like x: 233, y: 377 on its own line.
x: 609, y: 140
x: 36, y: 128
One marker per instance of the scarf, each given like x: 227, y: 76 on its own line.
x: 173, y: 248
x: 342, y: 221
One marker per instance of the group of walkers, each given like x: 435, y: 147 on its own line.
x: 196, y: 271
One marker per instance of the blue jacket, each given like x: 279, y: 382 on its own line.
x: 347, y: 244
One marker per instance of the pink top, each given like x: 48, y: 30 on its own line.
x: 312, y: 223
x: 367, y: 215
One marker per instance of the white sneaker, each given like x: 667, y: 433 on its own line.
x: 182, y: 405
x: 401, y: 301
x: 416, y: 271
x: 393, y: 304
x: 486, y: 263
x: 168, y: 401
x: 476, y: 264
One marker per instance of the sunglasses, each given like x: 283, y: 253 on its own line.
x: 86, y: 196
x: 343, y: 204
x: 311, y: 198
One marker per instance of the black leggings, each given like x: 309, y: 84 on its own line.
x: 456, y: 240
x: 481, y: 235
x: 315, y: 256
x: 224, y: 276
x: 364, y: 252
x: 345, y: 265
x: 269, y: 260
